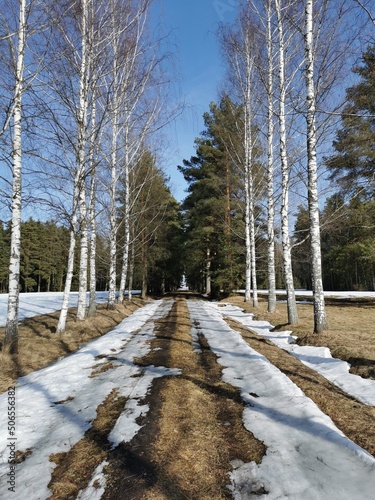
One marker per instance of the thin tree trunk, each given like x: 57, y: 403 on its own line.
x: 82, y: 142
x: 11, y: 329
x: 287, y: 256
x: 68, y: 281
x: 270, y: 172
x: 320, y: 321
x: 92, y: 219
x: 82, y: 290
x: 125, y: 254
x: 112, y: 220
x: 249, y: 184
x: 131, y: 272
x: 208, y: 271
x: 144, y: 266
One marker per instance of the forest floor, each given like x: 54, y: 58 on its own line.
x: 193, y: 430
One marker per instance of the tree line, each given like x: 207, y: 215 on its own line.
x: 275, y: 138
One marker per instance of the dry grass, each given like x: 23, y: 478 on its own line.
x: 200, y: 425
x: 350, y: 336
x: 39, y: 345
x: 353, y: 418
x: 75, y: 468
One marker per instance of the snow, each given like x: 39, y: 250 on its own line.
x: 56, y: 405
x: 33, y: 304
x: 307, y: 457
x: 327, y: 293
x: 317, y: 358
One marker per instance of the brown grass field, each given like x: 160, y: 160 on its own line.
x: 350, y: 335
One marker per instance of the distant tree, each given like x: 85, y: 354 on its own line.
x: 214, y: 208
x: 353, y: 165
x: 155, y: 229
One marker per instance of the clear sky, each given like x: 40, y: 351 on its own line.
x: 194, y: 24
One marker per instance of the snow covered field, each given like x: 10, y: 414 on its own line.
x: 33, y: 304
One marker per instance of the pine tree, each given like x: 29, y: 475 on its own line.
x: 353, y: 165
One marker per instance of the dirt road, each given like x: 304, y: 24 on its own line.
x: 227, y: 413
x: 193, y: 435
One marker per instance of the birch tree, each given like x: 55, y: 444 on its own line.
x: 271, y: 275
x: 11, y: 330
x: 240, y: 51
x: 286, y: 244
x: 65, y: 97
x: 320, y: 322
x: 79, y: 207
x: 127, y: 90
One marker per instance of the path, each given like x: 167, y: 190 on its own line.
x: 155, y: 410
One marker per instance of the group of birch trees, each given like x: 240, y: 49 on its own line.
x: 85, y: 89
x: 287, y: 61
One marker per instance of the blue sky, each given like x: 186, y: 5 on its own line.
x: 194, y: 24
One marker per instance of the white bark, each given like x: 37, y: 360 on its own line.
x: 81, y: 158
x: 131, y: 271
x: 320, y: 321
x: 270, y: 168
x: 208, y: 271
x: 11, y: 330
x: 114, y: 168
x: 92, y: 217
x: 70, y: 267
x: 287, y: 257
x: 243, y: 65
x: 112, y: 217
x: 126, y: 220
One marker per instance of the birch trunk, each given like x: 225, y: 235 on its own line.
x: 287, y: 256
x: 249, y: 182
x: 131, y: 272
x: 92, y: 219
x: 82, y: 289
x: 69, y: 273
x: 125, y: 254
x: 270, y: 171
x: 112, y: 216
x: 320, y: 321
x: 81, y: 158
x: 11, y: 330
x: 208, y: 271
